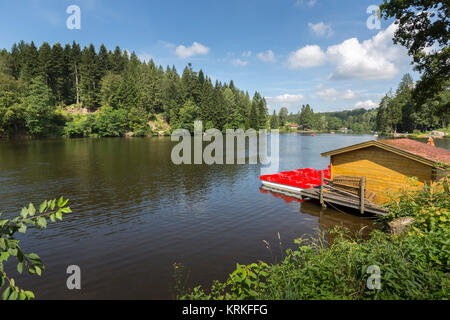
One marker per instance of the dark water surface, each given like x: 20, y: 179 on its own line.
x: 135, y: 213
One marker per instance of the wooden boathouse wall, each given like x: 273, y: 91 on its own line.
x: 386, y: 172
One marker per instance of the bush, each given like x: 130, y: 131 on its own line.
x: 111, y: 123
x: 80, y: 126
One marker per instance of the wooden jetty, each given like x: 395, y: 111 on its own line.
x: 345, y: 191
x: 367, y: 175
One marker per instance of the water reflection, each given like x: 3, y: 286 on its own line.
x: 331, y: 217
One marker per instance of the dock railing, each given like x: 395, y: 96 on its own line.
x: 348, y: 191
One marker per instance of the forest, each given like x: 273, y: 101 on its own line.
x: 401, y: 111
x: 74, y: 92
x: 68, y: 91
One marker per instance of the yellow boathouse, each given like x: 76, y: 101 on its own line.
x: 388, y: 165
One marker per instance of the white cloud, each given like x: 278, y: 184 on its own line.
x: 348, y: 95
x: 239, y: 62
x: 321, y: 29
x: 309, y: 3
x: 373, y: 59
x: 247, y: 54
x: 307, y: 57
x: 285, y: 100
x: 187, y: 52
x: 267, y: 56
x: 331, y: 94
x: 369, y: 104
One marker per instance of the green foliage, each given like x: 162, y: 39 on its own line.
x: 138, y: 121
x: 188, y: 114
x: 429, y: 207
x: 69, y: 75
x: 80, y: 126
x: 10, y: 249
x: 12, y: 109
x: 111, y: 123
x: 39, y: 108
x: 400, y: 111
x: 423, y: 24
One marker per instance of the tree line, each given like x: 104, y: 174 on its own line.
x: 401, y: 111
x: 119, y: 92
x: 358, y: 120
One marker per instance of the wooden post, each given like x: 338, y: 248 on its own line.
x: 363, y: 196
x: 321, y: 190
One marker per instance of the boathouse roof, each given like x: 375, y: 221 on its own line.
x: 412, y: 149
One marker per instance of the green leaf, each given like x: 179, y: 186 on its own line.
x: 13, y: 251
x: 38, y: 270
x: 29, y: 294
x: 60, y: 202
x: 64, y: 203
x: 23, y: 228
x: 31, y: 209
x: 52, y: 217
x: 14, y: 295
x: 33, y: 256
x: 4, y: 256
x: 20, y: 267
x: 43, y: 206
x: 66, y: 210
x: 52, y: 204
x: 24, y: 212
x: 31, y: 270
x: 6, y: 293
x: 42, y: 222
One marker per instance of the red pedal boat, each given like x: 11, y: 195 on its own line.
x: 295, y: 181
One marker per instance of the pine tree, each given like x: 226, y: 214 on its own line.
x: 30, y: 59
x: 39, y: 107
x: 89, y: 78
x: 58, y: 73
x: 274, y: 123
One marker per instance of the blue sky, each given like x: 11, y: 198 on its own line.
x: 294, y: 52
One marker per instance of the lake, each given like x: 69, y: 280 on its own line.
x: 135, y: 213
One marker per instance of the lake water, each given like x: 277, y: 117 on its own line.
x: 135, y: 213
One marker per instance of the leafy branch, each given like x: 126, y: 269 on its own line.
x: 52, y: 210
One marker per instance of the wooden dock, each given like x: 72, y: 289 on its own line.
x: 338, y: 193
x: 344, y: 191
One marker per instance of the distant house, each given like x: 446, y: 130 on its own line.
x: 293, y: 126
x: 387, y: 165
